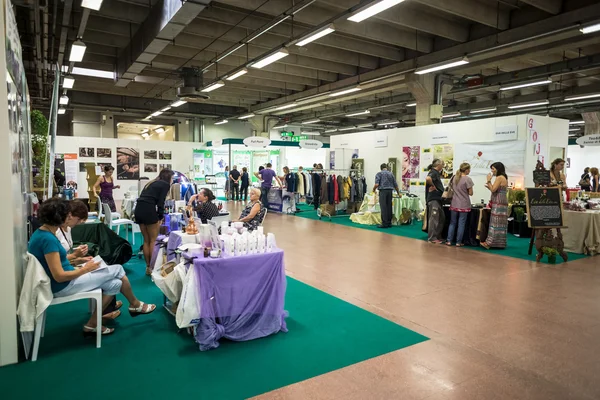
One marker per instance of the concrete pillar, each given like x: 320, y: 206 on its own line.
x: 422, y: 88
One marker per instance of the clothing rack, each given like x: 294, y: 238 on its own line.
x: 350, y: 172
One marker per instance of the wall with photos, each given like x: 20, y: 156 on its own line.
x: 579, y: 158
x: 517, y: 141
x: 131, y: 159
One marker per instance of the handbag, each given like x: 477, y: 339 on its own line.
x: 449, y: 192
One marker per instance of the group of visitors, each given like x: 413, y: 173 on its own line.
x: 237, y: 184
x: 589, y: 181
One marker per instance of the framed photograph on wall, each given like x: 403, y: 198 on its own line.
x: 128, y: 163
x: 150, y: 154
x: 103, y: 152
x: 86, y: 152
x: 150, y: 168
x: 163, y: 166
x: 164, y: 155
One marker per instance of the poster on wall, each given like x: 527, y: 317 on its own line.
x: 481, y: 156
x: 102, y: 165
x: 150, y: 154
x: 163, y: 166
x: 411, y: 162
x: 445, y: 152
x: 220, y: 160
x: 426, y: 160
x: 259, y: 158
x: 164, y: 155
x: 103, y: 152
x: 359, y: 165
x: 332, y: 159
x: 354, y: 153
x: 242, y: 159
x: 86, y: 152
x: 203, y: 164
x: 59, y: 170
x: 150, y: 168
x: 65, y: 169
x: 128, y: 163
x: 393, y: 166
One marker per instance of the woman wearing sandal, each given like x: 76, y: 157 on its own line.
x: 65, y: 280
x: 78, y: 214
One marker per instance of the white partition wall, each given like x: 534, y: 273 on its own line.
x: 534, y: 137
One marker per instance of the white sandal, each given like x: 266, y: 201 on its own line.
x: 88, y: 331
x: 134, y: 312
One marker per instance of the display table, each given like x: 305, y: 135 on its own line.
x: 178, y: 238
x: 241, y: 298
x: 582, y: 234
x: 280, y: 200
x: 476, y: 228
x: 404, y: 209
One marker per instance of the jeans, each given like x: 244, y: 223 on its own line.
x: 235, y: 190
x: 461, y: 219
x: 385, y: 203
x: 264, y: 196
x: 244, y: 192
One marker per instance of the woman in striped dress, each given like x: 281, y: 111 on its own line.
x: 499, y: 200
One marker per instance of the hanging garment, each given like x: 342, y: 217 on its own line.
x: 300, y: 188
x: 316, y: 188
x: 290, y: 182
x: 347, y: 187
x: 340, y: 182
x: 306, y: 183
x: 331, y: 190
x: 324, y: 189
x: 336, y: 189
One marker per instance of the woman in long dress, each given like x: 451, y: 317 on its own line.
x: 499, y: 200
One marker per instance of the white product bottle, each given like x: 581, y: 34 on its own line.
x: 271, y: 245
x: 262, y: 240
x: 252, y: 243
x: 244, y: 243
x: 236, y: 243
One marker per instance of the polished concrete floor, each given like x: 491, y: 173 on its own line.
x: 500, y: 328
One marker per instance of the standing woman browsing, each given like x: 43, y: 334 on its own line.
x: 106, y: 185
x: 499, y: 219
x: 150, y: 210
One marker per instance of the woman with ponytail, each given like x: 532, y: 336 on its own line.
x: 462, y: 186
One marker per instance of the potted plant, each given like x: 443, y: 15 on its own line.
x: 519, y: 214
x: 551, y: 253
x: 520, y: 196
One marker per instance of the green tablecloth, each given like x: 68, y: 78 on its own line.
x: 404, y: 209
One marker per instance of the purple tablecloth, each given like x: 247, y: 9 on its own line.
x: 157, y: 245
x: 241, y: 298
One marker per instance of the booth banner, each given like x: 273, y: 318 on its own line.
x: 411, y: 162
x: 481, y: 156
x: 504, y: 133
x: 332, y: 159
x: 275, y: 200
x: 220, y: 160
x: 203, y: 164
x: 445, y: 152
x: 426, y: 160
x: 242, y: 159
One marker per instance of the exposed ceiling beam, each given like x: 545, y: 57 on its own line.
x: 484, y: 13
x: 550, y: 6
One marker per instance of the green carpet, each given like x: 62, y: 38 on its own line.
x: 147, y: 359
x: 516, y: 247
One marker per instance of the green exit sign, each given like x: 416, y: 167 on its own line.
x: 287, y: 134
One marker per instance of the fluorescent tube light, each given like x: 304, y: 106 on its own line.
x: 370, y: 125
x: 355, y: 89
x: 221, y: 122
x: 145, y: 130
x: 574, y: 129
x: 268, y: 29
x: 441, y: 66
x: 326, y: 30
x: 160, y: 130
x: 91, y: 4
x: 271, y: 58
x: 538, y: 103
x: 387, y: 123
x: 330, y: 130
x: 456, y: 114
x: 347, y: 129
x: 576, y: 122
x: 526, y: 84
x: 373, y: 9
x: 241, y: 72
x: 482, y: 110
x: 96, y: 73
x: 247, y: 116
x: 312, y: 121
x: 213, y: 86
x: 411, y: 105
x: 166, y: 109
x: 230, y: 52
x: 145, y: 135
x: 280, y: 126
x: 77, y: 51
x: 582, y: 97
x: 312, y: 133
x: 358, y: 113
x: 64, y: 100
x: 178, y: 103
x: 285, y: 107
x: 68, y: 82
x: 156, y: 114
x: 590, y: 29
x: 62, y: 110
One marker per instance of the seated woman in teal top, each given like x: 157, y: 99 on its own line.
x: 66, y: 280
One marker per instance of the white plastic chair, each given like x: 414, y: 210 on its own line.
x: 220, y: 218
x: 117, y: 222
x: 114, y: 215
x: 95, y: 297
x: 264, y: 216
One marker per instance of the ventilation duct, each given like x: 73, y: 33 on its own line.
x: 192, y: 82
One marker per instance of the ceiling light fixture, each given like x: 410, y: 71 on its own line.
x: 369, y: 125
x: 166, y: 109
x: 285, y: 107
x: 160, y: 130
x: 358, y: 113
x: 352, y: 90
x: 68, y: 82
x: 247, y: 116
x: 590, y: 29
x: 271, y: 58
x: 145, y: 135
x: 91, y: 4
x: 526, y: 84
x: 178, y: 103
x: 96, y: 73
x: 312, y: 121
x: 77, y: 51
x: 156, y: 114
x: 324, y: 31
x: 482, y: 110
x: 537, y: 103
x: 576, y: 122
x: 62, y: 110
x: 411, y: 105
x: 347, y: 129
x: 373, y: 9
x: 213, y: 86
x: 445, y: 65
x: 241, y: 72
x: 330, y: 130
x: 64, y: 100
x: 221, y: 122
x: 574, y: 129
x: 311, y: 133
x: 280, y: 126
x: 456, y: 114
x: 582, y: 97
x: 388, y: 123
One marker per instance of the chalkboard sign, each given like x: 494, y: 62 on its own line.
x: 541, y: 177
x: 544, y: 207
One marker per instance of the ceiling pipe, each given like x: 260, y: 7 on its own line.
x: 53, y: 31
x: 62, y: 44
x: 45, y: 43
x: 38, y: 45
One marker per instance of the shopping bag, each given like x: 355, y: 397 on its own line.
x: 188, y: 311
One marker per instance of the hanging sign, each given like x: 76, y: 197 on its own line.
x: 257, y: 141
x: 217, y: 143
x: 311, y: 144
x: 589, y: 140
x: 439, y: 138
x: 381, y: 139
x: 509, y: 132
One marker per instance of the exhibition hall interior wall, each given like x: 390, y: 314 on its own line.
x: 478, y: 142
x: 578, y: 159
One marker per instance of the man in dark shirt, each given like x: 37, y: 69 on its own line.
x: 385, y: 181
x: 234, y: 176
x: 435, y: 213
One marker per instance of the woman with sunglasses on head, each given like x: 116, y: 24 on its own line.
x: 499, y: 219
